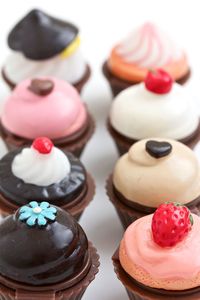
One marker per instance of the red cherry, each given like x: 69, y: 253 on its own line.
x: 158, y: 82
x: 42, y: 145
x: 170, y: 224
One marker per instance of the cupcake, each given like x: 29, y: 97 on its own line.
x: 45, y: 46
x: 151, y: 173
x: 44, y: 254
x: 46, y: 107
x: 157, y: 107
x: 147, y: 47
x: 158, y: 257
x: 44, y: 172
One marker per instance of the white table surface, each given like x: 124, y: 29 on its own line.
x: 102, y: 23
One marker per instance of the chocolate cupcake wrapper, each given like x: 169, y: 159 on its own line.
x: 128, y: 215
x: 117, y: 85
x: 75, y: 144
x: 136, y: 291
x: 75, y: 209
x: 123, y: 144
x: 73, y: 293
x: 78, y: 85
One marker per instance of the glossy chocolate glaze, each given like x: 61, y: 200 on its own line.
x: 42, y: 255
x: 40, y: 36
x: 19, y: 193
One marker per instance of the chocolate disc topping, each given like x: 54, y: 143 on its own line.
x: 158, y: 149
x: 41, y: 87
x: 40, y: 36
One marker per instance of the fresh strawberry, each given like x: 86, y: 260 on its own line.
x: 158, y: 82
x: 170, y: 224
x: 42, y: 145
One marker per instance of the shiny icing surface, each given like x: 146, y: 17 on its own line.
x: 159, y: 267
x: 56, y: 115
x: 138, y: 113
x: 40, y: 36
x: 41, y: 169
x: 41, y: 256
x: 150, y: 181
x: 145, y: 48
x: 60, y: 193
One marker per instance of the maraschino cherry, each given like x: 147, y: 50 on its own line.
x: 158, y: 81
x: 43, y: 145
x: 171, y: 223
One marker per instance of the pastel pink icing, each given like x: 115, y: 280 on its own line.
x: 56, y: 115
x: 179, y: 262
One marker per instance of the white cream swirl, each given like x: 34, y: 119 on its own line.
x: 138, y: 114
x: 149, y: 47
x: 41, y: 169
x: 17, y: 67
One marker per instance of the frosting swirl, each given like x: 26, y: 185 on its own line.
x: 151, y: 181
x: 138, y: 113
x: 39, y: 169
x: 56, y: 115
x: 161, y: 267
x: 147, y: 47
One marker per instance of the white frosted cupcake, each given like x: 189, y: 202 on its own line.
x: 157, y: 107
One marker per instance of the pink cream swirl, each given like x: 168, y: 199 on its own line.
x: 149, y: 47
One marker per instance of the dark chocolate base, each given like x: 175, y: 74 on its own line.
x: 74, y: 143
x: 75, y: 207
x: 78, y: 85
x: 10, y: 290
x: 138, y: 291
x: 129, y: 211
x: 123, y: 143
x: 117, y: 85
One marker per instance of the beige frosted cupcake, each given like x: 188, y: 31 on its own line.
x: 151, y: 173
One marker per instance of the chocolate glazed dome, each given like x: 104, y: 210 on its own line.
x: 40, y: 36
x: 38, y: 250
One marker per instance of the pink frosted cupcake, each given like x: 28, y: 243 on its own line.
x: 158, y: 257
x: 46, y: 107
x: 147, y: 47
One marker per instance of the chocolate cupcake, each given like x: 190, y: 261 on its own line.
x: 45, y: 46
x: 44, y: 254
x: 147, y: 47
x: 46, y: 107
x: 44, y: 172
x: 158, y: 107
x: 151, y: 173
x: 158, y: 257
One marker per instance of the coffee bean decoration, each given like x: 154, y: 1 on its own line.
x: 41, y: 87
x: 158, y: 149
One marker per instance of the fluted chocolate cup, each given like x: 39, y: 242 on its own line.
x: 75, y: 207
x: 129, y: 211
x: 123, y: 143
x: 74, y: 143
x: 117, y: 85
x: 137, y: 291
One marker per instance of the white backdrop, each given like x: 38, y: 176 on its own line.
x: 102, y: 23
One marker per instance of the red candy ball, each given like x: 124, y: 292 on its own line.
x: 42, y: 145
x: 158, y: 82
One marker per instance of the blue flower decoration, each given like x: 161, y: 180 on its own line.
x: 37, y: 213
